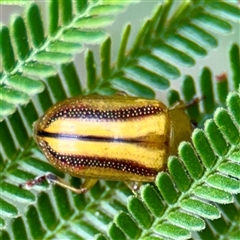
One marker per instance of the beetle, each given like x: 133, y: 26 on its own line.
x: 120, y: 138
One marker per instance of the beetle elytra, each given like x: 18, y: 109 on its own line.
x: 117, y: 137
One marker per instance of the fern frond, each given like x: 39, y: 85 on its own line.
x: 29, y: 51
x: 199, y: 185
x: 152, y: 60
x: 204, y: 174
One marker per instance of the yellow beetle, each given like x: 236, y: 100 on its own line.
x: 117, y: 137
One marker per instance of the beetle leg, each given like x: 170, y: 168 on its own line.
x: 194, y: 124
x: 121, y: 93
x: 89, y: 183
x: 54, y: 179
x: 134, y: 186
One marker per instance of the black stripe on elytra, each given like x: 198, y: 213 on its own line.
x: 84, y: 138
x: 81, y: 161
x: 85, y: 112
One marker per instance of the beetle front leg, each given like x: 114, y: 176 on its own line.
x: 54, y: 179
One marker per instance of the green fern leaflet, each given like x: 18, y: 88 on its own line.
x: 198, y: 195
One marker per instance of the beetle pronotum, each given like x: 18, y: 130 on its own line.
x: 109, y: 137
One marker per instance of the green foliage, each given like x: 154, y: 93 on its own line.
x: 32, y: 51
x: 15, y: 2
x: 200, y: 190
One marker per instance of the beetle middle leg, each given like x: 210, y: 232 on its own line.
x: 134, y: 186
